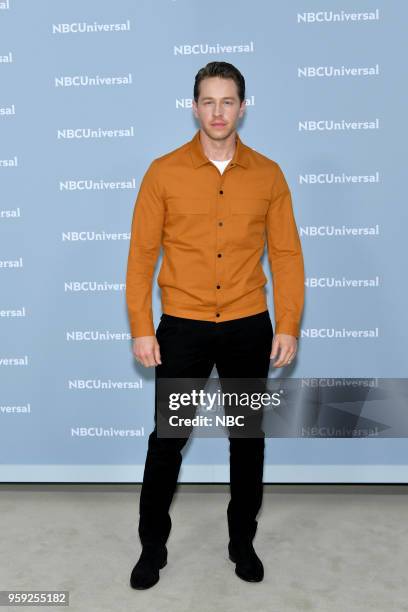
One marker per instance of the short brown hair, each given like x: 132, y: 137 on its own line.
x: 223, y: 70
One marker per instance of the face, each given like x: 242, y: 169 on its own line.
x: 218, y: 108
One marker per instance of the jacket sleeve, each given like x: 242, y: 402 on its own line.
x: 144, y: 249
x: 285, y: 258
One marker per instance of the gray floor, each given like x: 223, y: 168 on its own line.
x: 325, y: 547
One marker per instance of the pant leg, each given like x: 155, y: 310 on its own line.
x: 186, y: 351
x: 243, y: 350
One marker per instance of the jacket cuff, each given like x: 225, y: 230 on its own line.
x: 142, y: 326
x: 288, y: 327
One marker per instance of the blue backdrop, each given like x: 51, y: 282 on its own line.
x: 90, y: 93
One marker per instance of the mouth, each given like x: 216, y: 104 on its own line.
x: 218, y: 124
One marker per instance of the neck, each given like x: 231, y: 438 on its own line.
x: 220, y: 150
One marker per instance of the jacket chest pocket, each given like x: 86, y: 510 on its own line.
x: 248, y: 222
x: 250, y: 206
x: 187, y: 206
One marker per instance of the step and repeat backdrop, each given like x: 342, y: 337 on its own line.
x: 90, y: 93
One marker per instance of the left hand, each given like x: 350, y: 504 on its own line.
x: 287, y: 345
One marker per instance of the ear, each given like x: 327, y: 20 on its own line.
x: 194, y: 105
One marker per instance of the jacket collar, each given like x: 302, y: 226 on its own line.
x: 198, y: 157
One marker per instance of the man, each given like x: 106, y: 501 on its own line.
x: 211, y: 203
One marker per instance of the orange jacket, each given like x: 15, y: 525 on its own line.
x: 212, y: 227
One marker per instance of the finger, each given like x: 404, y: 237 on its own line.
x: 157, y: 355
x: 143, y: 359
x: 275, y: 348
x: 282, y: 359
x: 153, y: 357
x: 150, y: 360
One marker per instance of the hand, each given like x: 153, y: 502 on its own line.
x: 287, y: 345
x: 146, y: 349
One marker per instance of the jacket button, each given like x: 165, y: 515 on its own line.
x: 220, y: 223
x: 218, y: 286
x: 221, y: 191
x: 219, y: 255
x: 218, y: 314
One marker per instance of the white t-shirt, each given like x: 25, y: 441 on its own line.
x: 221, y: 165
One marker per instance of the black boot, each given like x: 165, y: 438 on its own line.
x: 248, y: 565
x: 145, y: 574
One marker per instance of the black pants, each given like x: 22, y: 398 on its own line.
x: 190, y: 348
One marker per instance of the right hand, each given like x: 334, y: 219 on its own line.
x: 146, y: 349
